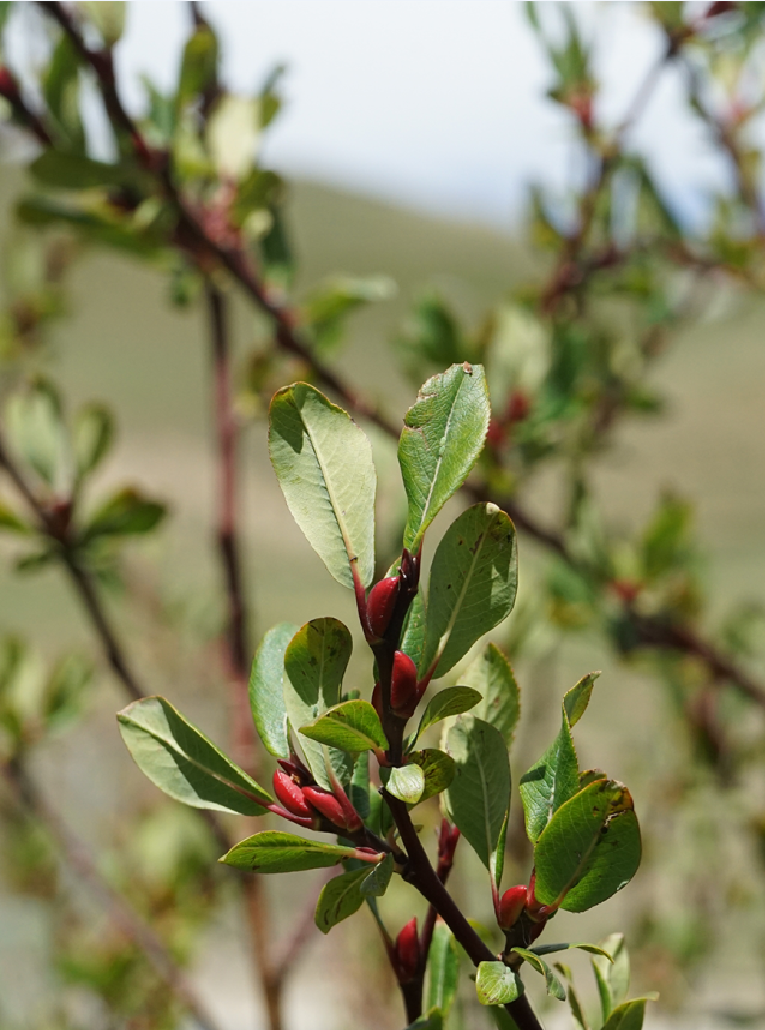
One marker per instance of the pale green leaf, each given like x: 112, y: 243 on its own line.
x: 554, y: 987
x: 443, y: 435
x: 443, y: 969
x: 492, y: 676
x: 314, y: 665
x: 276, y: 852
x: 550, y: 782
x: 496, y: 984
x: 575, y: 701
x: 478, y: 796
x: 183, y: 763
x: 438, y: 768
x: 349, y: 726
x: 323, y: 462
x: 473, y: 581
x: 266, y: 689
x: 406, y: 782
x: 630, y: 1014
x: 447, y: 702
x: 340, y: 898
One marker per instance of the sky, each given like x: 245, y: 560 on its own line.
x: 438, y: 104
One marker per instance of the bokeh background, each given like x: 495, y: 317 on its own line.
x: 410, y: 132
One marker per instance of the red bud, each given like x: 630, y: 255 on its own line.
x: 380, y: 604
x: 403, y: 685
x: 408, y: 954
x: 326, y: 804
x: 511, y: 905
x: 518, y: 406
x: 8, y: 86
x: 290, y: 794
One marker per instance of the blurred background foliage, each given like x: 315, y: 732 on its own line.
x: 153, y: 302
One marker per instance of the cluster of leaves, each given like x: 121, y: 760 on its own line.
x: 582, y: 825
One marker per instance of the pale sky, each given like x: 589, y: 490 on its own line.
x: 438, y: 103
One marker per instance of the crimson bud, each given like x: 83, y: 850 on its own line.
x: 408, y: 953
x: 290, y: 794
x: 511, y: 905
x: 326, y: 804
x: 403, y: 685
x: 380, y: 604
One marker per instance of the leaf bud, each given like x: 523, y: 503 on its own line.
x: 403, y: 685
x: 326, y: 804
x: 511, y: 904
x: 408, y: 954
x: 380, y: 604
x: 290, y: 794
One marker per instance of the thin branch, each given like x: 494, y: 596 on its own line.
x: 130, y: 922
x: 421, y: 874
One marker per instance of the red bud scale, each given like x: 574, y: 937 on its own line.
x: 380, y: 604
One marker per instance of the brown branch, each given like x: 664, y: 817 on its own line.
x: 21, y: 111
x: 421, y: 874
x: 119, y: 911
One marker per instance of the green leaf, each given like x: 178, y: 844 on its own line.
x: 614, y: 974
x: 359, y: 786
x: 349, y: 726
x: 65, y: 170
x: 497, y: 864
x: 478, y: 797
x: 438, y: 769
x: 550, y: 949
x: 587, y: 848
x: 630, y: 1014
x: 65, y: 691
x: 443, y: 969
x: 442, y: 437
x: 108, y: 18
x: 575, y: 701
x: 60, y: 82
x: 127, y: 513
x: 614, y: 862
x: 266, y: 689
x: 323, y: 462
x: 10, y: 521
x: 198, y: 65
x: 491, y: 675
x: 345, y: 894
x: 450, y: 701
x: 277, y: 852
x: 407, y: 783
x: 92, y: 438
x: 554, y: 987
x: 473, y: 581
x: 256, y: 192
x: 413, y: 636
x: 37, y: 431
x: 314, y: 665
x: 183, y: 763
x: 433, y: 1021
x: 496, y: 984
x: 326, y: 308
x: 550, y: 782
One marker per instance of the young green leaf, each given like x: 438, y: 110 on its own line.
x: 108, y: 18
x: 629, y: 1015
x: 266, y: 689
x: 92, y: 438
x: 491, y: 675
x: 442, y: 437
x: 450, y: 701
x: 550, y: 949
x: 345, y: 894
x: 438, y: 769
x: 61, y: 170
x: 478, y: 796
x: 276, y: 852
x: 554, y: 987
x: 589, y: 849
x: 314, y: 665
x: 612, y: 972
x: 323, y: 462
x: 473, y: 580
x: 183, y: 763
x: 496, y: 984
x: 10, y: 522
x: 575, y: 701
x: 550, y: 782
x: 359, y: 785
x: 37, y: 431
x: 407, y: 783
x: 443, y: 969
x: 349, y: 726
x: 413, y: 635
x: 126, y: 513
